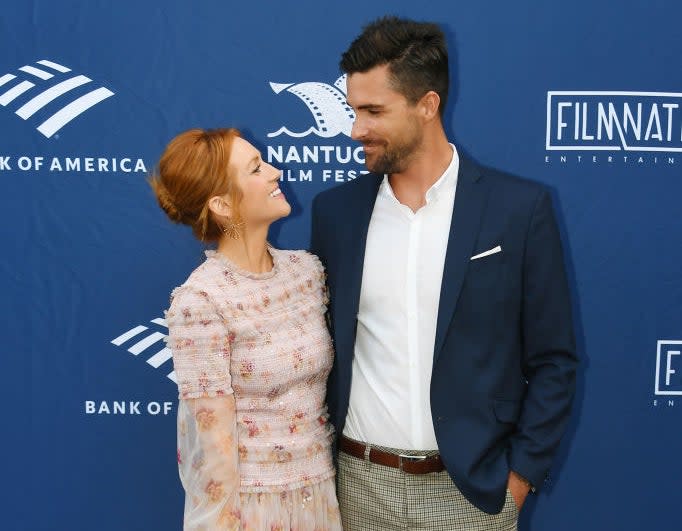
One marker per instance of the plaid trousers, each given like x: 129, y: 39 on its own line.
x: 378, y: 498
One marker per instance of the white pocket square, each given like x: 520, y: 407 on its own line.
x: 494, y: 250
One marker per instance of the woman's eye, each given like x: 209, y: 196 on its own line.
x: 257, y: 169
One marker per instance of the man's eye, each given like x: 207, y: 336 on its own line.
x: 257, y: 169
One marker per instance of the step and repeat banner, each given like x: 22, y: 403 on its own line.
x: 583, y: 96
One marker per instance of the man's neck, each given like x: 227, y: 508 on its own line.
x: 424, y: 169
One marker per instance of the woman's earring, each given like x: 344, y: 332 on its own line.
x: 233, y: 229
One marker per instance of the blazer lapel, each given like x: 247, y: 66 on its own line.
x: 359, y: 210
x: 470, y: 200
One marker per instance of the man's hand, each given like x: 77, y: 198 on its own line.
x: 519, y: 488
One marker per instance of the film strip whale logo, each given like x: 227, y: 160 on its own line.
x: 326, y: 103
x: 142, y: 340
x: 32, y: 78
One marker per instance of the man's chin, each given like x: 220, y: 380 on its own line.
x: 371, y: 164
x: 382, y: 168
x: 376, y: 164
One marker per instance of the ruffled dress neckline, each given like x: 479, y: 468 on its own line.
x: 234, y: 268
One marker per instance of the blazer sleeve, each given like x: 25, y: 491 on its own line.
x: 549, y: 354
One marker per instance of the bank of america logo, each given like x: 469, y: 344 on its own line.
x: 44, y: 82
x: 139, y: 339
x: 326, y: 103
x: 614, y: 121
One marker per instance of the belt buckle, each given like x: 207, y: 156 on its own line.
x: 409, y: 458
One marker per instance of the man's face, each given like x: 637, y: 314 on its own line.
x: 386, y: 123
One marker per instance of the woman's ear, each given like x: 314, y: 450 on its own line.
x: 220, y: 206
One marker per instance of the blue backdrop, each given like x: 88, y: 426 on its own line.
x: 583, y: 96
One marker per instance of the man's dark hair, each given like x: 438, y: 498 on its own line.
x: 415, y: 52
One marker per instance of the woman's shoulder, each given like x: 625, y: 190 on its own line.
x: 298, y: 258
x: 195, y: 290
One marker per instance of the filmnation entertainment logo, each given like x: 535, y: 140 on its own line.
x: 51, y: 81
x: 646, y: 122
x: 668, y: 377
x: 668, y: 367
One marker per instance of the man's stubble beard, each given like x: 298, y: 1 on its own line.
x: 395, y: 159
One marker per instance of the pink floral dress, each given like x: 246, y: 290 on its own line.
x: 251, y: 355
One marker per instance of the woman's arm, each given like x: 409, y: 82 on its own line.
x: 208, y: 457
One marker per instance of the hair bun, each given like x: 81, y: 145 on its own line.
x: 165, y: 199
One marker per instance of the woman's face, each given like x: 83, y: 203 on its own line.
x: 262, y: 201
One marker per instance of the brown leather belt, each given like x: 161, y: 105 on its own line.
x: 412, y: 464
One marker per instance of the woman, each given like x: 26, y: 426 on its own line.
x: 250, y: 347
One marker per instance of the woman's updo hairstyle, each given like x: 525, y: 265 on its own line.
x: 193, y: 169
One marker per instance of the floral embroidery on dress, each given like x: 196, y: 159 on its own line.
x: 247, y: 367
x: 205, y: 419
x: 214, y: 489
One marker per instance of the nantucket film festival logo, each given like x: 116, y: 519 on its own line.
x: 143, y: 342
x: 613, y: 127
x: 668, y: 378
x: 48, y: 96
x: 308, y: 154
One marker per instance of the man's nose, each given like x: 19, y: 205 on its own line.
x: 358, y: 131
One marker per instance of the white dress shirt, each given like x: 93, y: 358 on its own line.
x: 404, y: 256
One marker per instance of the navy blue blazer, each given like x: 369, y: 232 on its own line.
x: 504, y: 365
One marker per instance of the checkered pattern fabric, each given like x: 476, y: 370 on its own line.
x: 377, y: 498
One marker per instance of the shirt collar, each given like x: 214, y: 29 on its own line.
x: 444, y: 182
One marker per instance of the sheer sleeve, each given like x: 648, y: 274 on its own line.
x: 207, y: 436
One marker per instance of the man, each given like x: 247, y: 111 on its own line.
x: 455, y: 355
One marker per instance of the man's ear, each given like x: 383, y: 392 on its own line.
x: 428, y: 105
x: 220, y: 206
